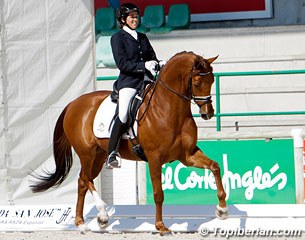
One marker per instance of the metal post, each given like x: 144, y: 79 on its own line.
x: 217, y: 93
x: 297, y: 135
x: 141, y: 182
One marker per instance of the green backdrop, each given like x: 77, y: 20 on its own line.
x: 253, y: 171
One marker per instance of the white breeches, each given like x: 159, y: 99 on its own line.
x: 125, y: 96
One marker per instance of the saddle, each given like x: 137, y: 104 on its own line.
x: 132, y: 115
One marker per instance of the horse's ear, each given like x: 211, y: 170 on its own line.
x: 197, y: 62
x: 210, y: 60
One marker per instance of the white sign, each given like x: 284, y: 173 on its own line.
x: 36, y: 217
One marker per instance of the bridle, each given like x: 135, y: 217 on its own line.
x: 196, y: 99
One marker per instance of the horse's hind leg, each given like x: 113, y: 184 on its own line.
x: 199, y: 160
x: 85, y: 182
x: 82, y: 190
x: 102, y: 216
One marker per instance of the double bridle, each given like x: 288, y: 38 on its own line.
x: 204, y: 99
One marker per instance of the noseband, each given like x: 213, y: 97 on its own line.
x: 196, y: 99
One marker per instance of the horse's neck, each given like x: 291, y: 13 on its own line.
x: 169, y: 104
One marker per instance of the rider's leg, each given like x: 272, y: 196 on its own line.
x: 125, y: 96
x: 117, y: 130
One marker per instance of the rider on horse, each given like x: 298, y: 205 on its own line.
x: 133, y: 55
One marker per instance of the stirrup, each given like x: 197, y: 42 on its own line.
x: 112, y: 160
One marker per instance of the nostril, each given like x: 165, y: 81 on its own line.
x: 207, y: 116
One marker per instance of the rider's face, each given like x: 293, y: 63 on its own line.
x: 132, y: 20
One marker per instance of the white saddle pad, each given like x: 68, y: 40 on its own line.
x: 103, y: 118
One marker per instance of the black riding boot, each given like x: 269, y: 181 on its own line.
x: 114, y: 143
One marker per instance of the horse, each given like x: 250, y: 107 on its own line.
x: 166, y: 132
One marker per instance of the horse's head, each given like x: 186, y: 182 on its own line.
x: 201, y: 80
x: 197, y: 78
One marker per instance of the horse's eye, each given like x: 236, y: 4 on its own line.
x: 196, y: 82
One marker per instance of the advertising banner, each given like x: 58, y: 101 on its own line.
x: 36, y: 217
x: 213, y: 10
x: 253, y: 172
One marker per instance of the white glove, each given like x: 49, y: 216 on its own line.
x: 151, y: 66
x: 162, y: 63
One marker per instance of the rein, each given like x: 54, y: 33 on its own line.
x: 205, y: 99
x: 153, y: 87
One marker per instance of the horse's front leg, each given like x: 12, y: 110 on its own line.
x: 199, y: 160
x: 155, y: 174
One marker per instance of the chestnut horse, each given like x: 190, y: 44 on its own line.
x: 166, y: 132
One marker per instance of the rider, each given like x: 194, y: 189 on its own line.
x: 133, y: 55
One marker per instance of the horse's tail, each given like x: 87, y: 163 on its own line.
x: 63, y: 159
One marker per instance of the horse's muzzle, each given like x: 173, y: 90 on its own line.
x: 207, y: 111
x: 207, y: 116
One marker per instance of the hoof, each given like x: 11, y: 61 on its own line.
x: 83, y: 228
x: 102, y: 221
x: 163, y: 230
x: 166, y: 232
x: 221, y: 213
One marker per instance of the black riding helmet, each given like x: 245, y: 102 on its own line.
x: 123, y: 11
